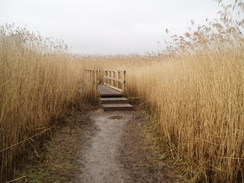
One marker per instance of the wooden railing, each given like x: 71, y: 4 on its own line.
x: 115, y: 79
x: 92, y: 76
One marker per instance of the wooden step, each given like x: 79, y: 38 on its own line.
x: 114, y: 100
x: 117, y: 107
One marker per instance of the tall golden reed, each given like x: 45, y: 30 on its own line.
x: 196, y: 102
x: 37, y: 80
x: 194, y: 91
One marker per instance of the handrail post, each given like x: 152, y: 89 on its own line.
x: 119, y: 77
x: 113, y: 77
x: 124, y: 81
x: 110, y: 80
x: 117, y: 82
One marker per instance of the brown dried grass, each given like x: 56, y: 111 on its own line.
x: 194, y: 92
x: 37, y: 81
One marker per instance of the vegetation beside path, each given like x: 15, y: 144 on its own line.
x: 193, y: 90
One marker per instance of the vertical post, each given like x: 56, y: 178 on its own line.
x: 117, y: 82
x: 95, y: 77
x: 110, y: 74
x: 119, y: 78
x: 105, y: 74
x: 108, y: 78
x: 123, y: 89
x: 113, y: 77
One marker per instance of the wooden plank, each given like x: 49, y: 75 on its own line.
x: 112, y: 87
x: 114, y: 100
x: 115, y: 107
x: 105, y: 91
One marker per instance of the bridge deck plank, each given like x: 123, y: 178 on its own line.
x: 105, y: 91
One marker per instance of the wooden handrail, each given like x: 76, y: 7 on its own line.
x: 112, y: 78
x: 114, y: 70
x: 92, y: 75
x: 115, y: 79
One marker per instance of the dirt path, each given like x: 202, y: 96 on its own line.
x: 99, y: 147
x: 101, y: 163
x: 118, y: 153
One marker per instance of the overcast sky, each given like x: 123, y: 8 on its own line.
x: 107, y: 26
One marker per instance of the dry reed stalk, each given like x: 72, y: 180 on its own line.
x: 197, y: 101
x: 35, y: 86
x: 194, y: 90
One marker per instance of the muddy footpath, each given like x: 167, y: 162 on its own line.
x: 98, y: 147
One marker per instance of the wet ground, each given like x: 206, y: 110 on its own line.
x: 98, y: 147
x: 117, y: 152
x: 101, y: 162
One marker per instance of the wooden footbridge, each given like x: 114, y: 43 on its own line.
x: 110, y: 86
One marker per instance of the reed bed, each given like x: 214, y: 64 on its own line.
x: 196, y: 104
x: 194, y: 93
x: 37, y: 81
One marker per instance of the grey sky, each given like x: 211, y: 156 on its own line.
x: 107, y: 26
